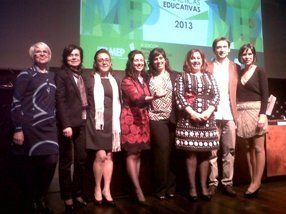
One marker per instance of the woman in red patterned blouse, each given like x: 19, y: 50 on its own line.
x: 135, y: 130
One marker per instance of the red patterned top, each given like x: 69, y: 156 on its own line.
x: 135, y: 130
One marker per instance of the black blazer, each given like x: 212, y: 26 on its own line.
x: 174, y: 112
x: 68, y: 100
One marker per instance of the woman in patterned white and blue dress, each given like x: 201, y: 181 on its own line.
x: 197, y: 96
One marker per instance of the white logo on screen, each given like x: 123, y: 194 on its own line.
x: 114, y: 51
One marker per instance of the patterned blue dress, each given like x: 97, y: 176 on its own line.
x: 198, y: 92
x: 33, y: 112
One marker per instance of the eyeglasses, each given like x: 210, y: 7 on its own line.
x: 41, y: 52
x: 101, y: 60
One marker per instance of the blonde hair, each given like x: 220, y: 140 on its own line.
x: 32, y: 49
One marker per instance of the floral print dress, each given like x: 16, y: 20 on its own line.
x: 198, y: 92
x: 134, y: 120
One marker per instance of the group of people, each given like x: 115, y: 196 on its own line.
x: 72, y: 113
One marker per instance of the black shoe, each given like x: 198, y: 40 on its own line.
x: 107, y: 202
x: 79, y: 203
x: 193, y: 198
x: 206, y: 197
x: 212, y: 189
x: 248, y: 194
x: 41, y: 207
x: 110, y: 203
x: 160, y: 197
x: 228, y: 190
x: 97, y: 202
x: 70, y: 209
x: 170, y: 195
x: 143, y: 203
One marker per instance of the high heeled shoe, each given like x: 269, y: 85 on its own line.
x: 109, y: 203
x: 143, y: 203
x: 97, y: 202
x: 69, y: 209
x: 170, y: 195
x: 41, y: 207
x: 249, y: 194
x: 79, y: 203
x: 140, y: 199
x: 192, y: 198
x: 160, y: 197
x: 206, y: 197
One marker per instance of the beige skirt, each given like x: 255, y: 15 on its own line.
x: 248, y: 115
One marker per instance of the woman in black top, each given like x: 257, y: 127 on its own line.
x: 103, y: 125
x: 252, y: 99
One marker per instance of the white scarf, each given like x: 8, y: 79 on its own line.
x: 116, y: 109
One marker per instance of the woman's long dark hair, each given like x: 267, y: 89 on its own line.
x: 129, y: 70
x: 67, y: 51
x: 154, y: 53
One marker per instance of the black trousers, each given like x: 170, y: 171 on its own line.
x: 162, y: 145
x: 72, y: 153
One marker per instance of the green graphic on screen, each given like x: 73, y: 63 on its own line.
x: 175, y: 25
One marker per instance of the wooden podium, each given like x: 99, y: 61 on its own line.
x: 276, y: 149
